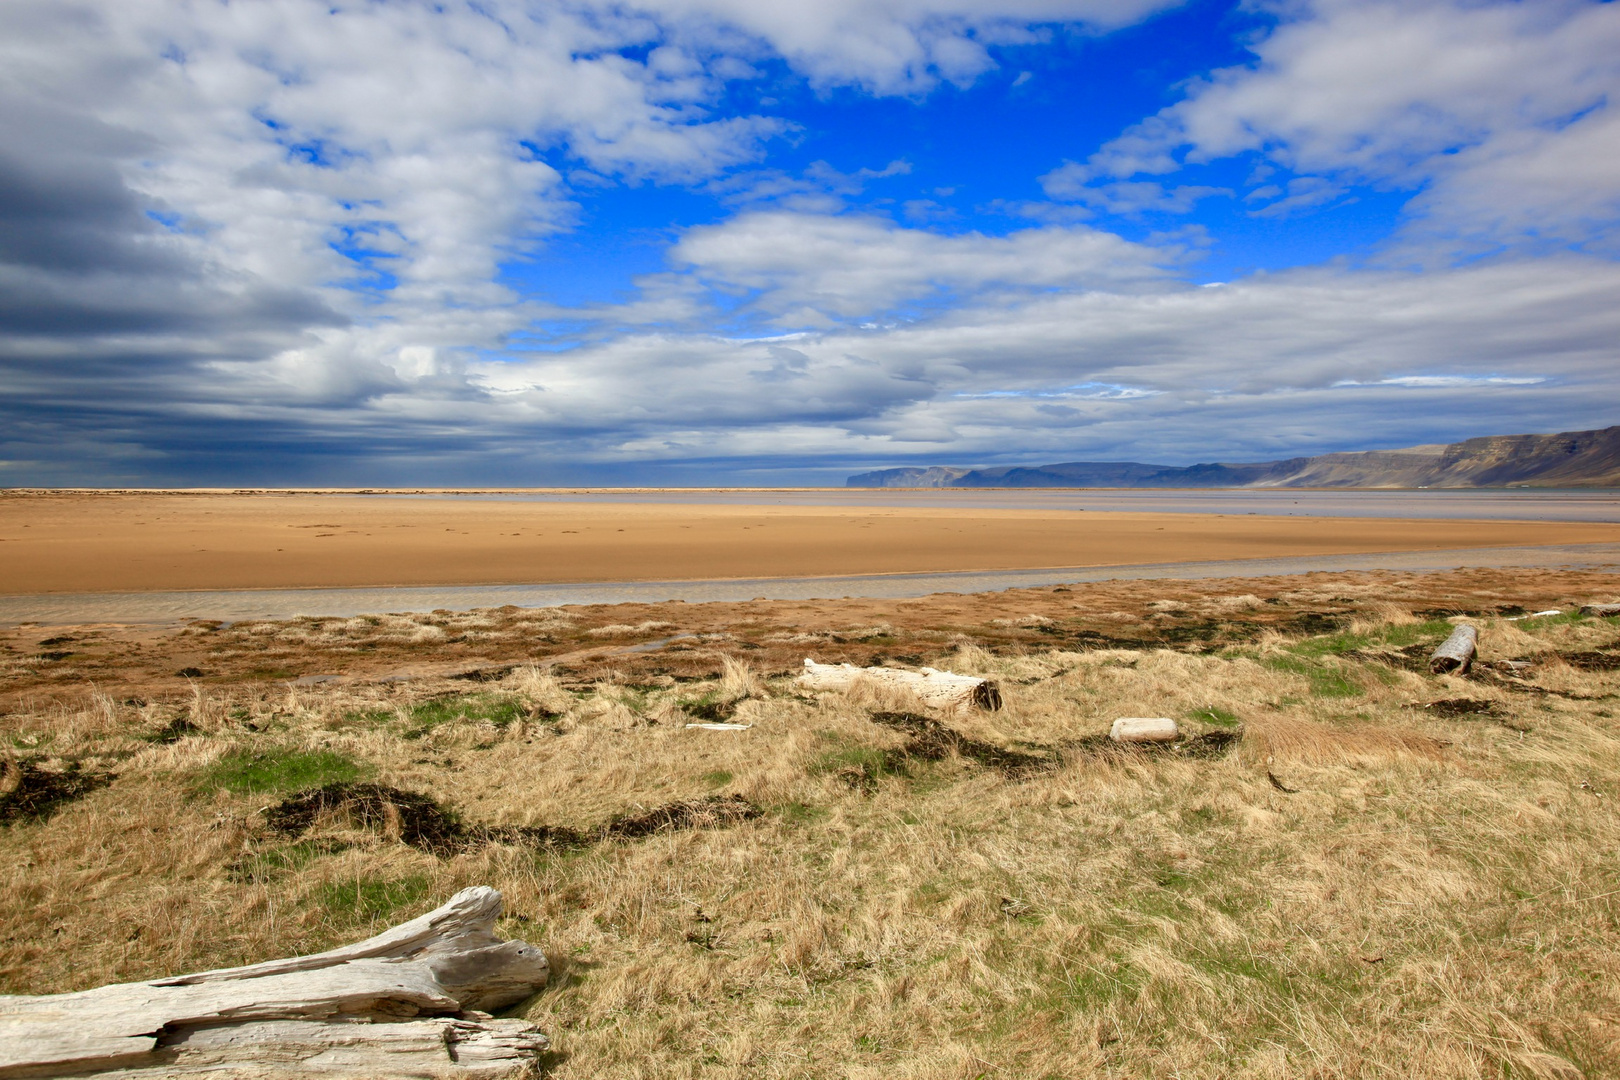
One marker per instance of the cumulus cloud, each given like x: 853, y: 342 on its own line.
x: 1502, y: 113
x: 817, y: 269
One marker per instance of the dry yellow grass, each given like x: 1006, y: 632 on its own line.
x: 1437, y: 897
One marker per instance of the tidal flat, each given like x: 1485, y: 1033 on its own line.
x: 90, y: 542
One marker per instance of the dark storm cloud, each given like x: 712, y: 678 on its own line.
x: 81, y: 255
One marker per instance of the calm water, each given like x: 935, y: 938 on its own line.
x: 1515, y: 505
x: 160, y: 607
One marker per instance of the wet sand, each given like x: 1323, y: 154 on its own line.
x: 77, y: 542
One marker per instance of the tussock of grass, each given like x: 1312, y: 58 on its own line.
x: 1427, y: 892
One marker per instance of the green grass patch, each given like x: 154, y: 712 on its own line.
x: 244, y: 772
x: 1561, y: 619
x: 361, y: 900
x: 801, y: 813
x: 1216, y: 717
x: 1098, y: 983
x: 278, y: 862
x: 271, y: 673
x: 717, y: 779
x: 1397, y: 637
x: 1327, y: 682
x: 497, y: 709
x: 860, y: 764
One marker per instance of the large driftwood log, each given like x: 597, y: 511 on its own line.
x: 937, y: 689
x: 1601, y: 610
x: 1456, y: 653
x: 407, y: 1003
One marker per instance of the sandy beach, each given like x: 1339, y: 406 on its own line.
x: 91, y: 542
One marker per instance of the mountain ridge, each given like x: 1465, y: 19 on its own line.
x: 1567, y: 459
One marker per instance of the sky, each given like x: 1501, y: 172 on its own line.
x: 402, y: 242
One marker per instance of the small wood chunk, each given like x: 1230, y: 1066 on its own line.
x: 1456, y: 653
x: 1144, y: 729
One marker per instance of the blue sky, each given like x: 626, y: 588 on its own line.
x: 712, y: 241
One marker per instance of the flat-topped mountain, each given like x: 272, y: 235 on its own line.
x: 1571, y: 459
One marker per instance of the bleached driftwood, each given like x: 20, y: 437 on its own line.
x: 1601, y: 610
x: 409, y: 1002
x: 936, y: 689
x: 1456, y: 653
x: 1143, y: 729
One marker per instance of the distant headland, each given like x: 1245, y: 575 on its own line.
x: 1570, y: 459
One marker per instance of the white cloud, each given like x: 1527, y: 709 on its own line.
x: 1128, y: 197
x: 1323, y: 358
x: 1504, y: 113
x: 898, y: 46
x: 849, y: 267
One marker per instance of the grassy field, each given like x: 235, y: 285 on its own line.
x: 1381, y: 873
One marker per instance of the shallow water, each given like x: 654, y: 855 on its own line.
x: 1500, y: 505
x: 233, y: 605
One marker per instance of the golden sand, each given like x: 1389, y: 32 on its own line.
x: 91, y: 542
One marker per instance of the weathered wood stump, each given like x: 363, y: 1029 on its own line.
x: 1456, y: 653
x: 936, y: 689
x: 409, y: 1002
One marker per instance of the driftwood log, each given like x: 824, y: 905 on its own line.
x: 1144, y: 729
x: 410, y: 1002
x: 936, y: 689
x: 1602, y: 610
x: 1456, y: 653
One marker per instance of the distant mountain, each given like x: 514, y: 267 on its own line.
x: 1572, y: 459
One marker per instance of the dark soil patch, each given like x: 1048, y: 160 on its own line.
x: 1314, y: 622
x: 711, y: 812
x: 416, y: 819
x: 932, y: 741
x: 494, y: 674
x: 1209, y: 746
x: 53, y: 657
x: 710, y: 712
x: 174, y: 731
x: 1457, y: 707
x: 1592, y: 661
x: 30, y: 793
x: 1202, y: 633
x: 190, y: 673
x: 425, y: 824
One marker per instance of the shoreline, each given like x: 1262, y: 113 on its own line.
x: 152, y: 607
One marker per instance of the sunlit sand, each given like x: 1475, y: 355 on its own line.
x: 137, y: 541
